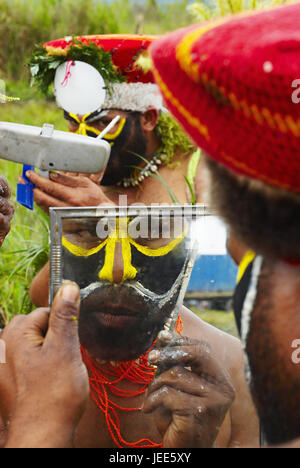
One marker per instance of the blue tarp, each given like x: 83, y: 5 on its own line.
x: 213, y: 273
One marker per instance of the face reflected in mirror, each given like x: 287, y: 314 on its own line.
x: 130, y: 272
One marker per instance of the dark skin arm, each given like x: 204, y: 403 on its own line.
x: 39, y: 288
x: 6, y: 210
x: 44, y: 383
x: 191, y: 395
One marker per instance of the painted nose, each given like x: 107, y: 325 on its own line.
x: 118, y: 265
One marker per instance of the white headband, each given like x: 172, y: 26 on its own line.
x: 133, y: 97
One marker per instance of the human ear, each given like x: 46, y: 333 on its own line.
x: 149, y: 119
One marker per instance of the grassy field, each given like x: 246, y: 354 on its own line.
x: 223, y: 320
x: 24, y: 23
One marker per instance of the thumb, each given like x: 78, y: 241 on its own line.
x: 97, y: 178
x: 64, y: 314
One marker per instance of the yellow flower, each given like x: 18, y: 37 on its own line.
x: 4, y: 98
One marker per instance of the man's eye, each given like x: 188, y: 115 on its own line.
x: 87, y: 234
x: 104, y: 123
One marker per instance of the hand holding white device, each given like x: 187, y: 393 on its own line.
x: 49, y: 150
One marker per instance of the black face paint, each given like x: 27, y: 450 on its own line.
x: 120, y: 321
x: 130, y: 143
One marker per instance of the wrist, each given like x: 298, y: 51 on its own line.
x: 37, y: 429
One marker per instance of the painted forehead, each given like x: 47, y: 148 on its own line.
x: 142, y: 246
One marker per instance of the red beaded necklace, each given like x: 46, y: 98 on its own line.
x: 101, y: 380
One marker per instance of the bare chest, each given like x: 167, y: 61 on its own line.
x: 118, y: 427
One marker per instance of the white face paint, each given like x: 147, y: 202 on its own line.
x: 79, y: 88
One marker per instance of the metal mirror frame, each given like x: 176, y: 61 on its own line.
x: 57, y: 215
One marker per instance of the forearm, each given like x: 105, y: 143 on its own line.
x: 28, y: 429
x: 39, y: 289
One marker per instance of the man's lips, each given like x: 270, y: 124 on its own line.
x: 112, y: 316
x: 115, y: 321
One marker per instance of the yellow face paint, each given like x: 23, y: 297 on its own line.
x: 113, y: 136
x: 83, y: 126
x: 120, y: 235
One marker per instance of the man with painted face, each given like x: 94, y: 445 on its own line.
x: 236, y: 90
x: 119, y: 374
x: 124, y: 301
x: 96, y: 79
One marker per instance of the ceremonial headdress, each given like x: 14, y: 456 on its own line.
x: 234, y: 85
x: 94, y: 73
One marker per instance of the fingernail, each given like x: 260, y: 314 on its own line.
x: 70, y: 292
x: 28, y: 174
x: 154, y: 355
x: 54, y: 175
x: 165, y: 336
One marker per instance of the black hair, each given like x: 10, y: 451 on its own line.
x: 267, y: 219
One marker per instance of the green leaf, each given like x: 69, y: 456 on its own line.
x: 192, y: 192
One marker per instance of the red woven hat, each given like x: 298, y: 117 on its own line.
x: 124, y: 48
x: 230, y: 84
x: 94, y: 73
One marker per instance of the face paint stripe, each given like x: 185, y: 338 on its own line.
x: 157, y: 252
x: 113, y: 136
x: 83, y: 126
x: 79, y: 251
x: 119, y: 235
x: 74, y: 117
x: 106, y: 274
x: 248, y: 309
x: 246, y: 260
x: 129, y: 272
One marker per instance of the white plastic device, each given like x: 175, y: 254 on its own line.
x: 48, y: 149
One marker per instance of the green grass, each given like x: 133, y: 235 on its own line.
x: 23, y: 253
x: 224, y: 321
x: 25, y: 23
x: 25, y: 249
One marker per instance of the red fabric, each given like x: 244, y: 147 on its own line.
x: 238, y: 86
x: 125, y: 50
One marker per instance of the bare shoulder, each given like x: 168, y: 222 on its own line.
x: 227, y: 348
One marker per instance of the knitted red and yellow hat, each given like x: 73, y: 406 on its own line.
x: 91, y: 73
x: 235, y: 87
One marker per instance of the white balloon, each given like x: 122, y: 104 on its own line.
x: 79, y: 88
